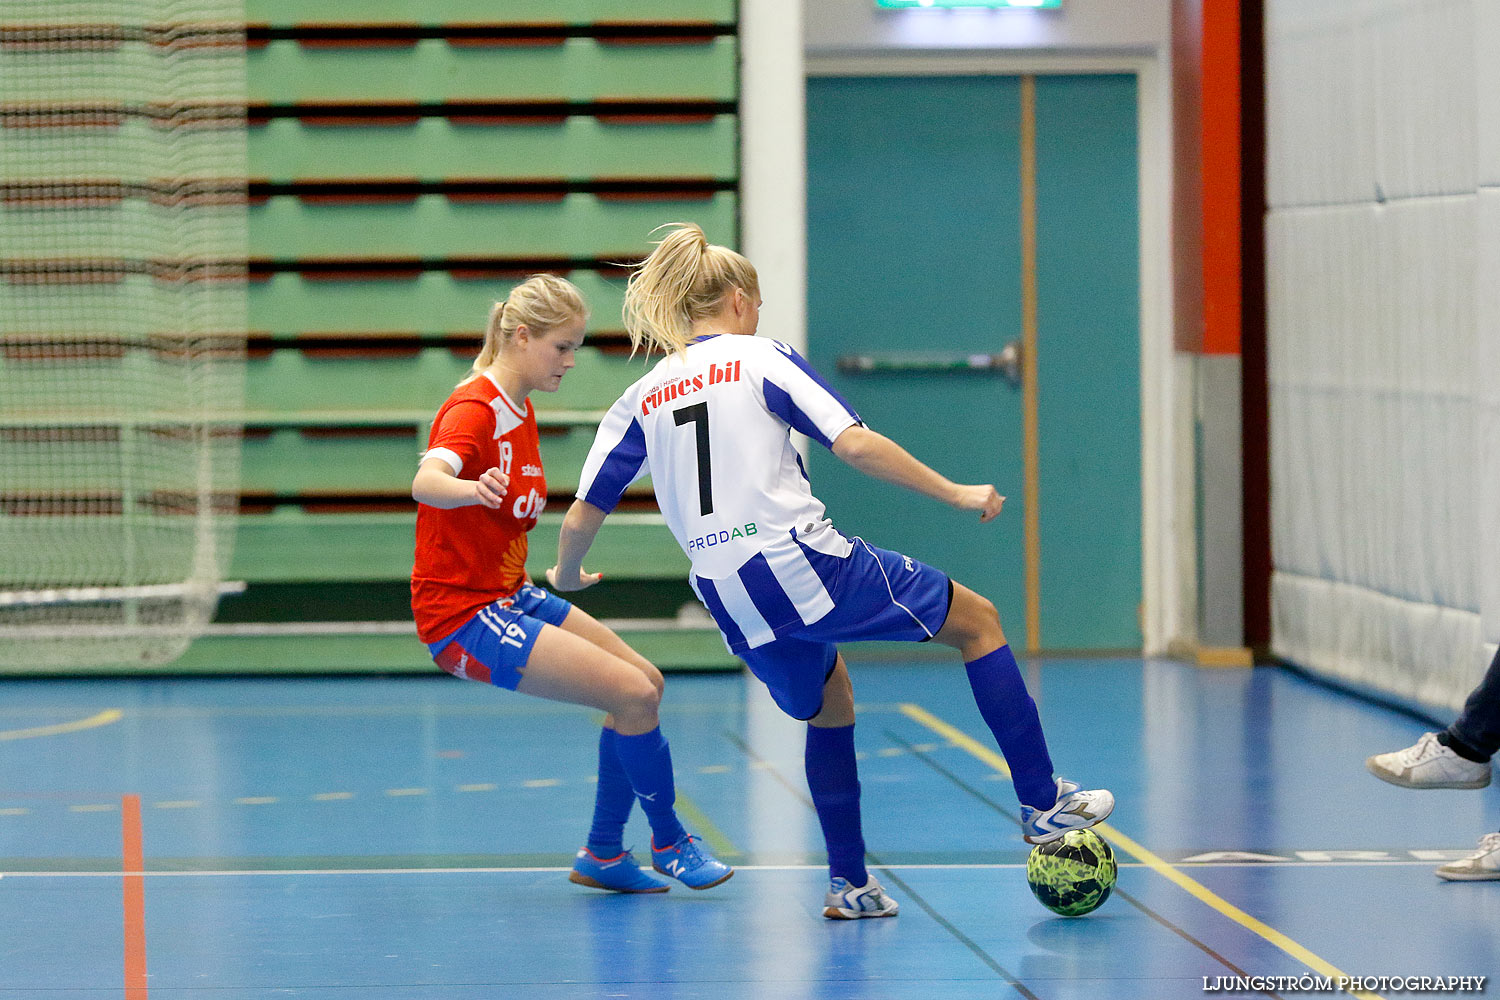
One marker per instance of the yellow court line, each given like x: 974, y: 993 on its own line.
x: 704, y: 827
x: 1146, y: 857
x: 104, y: 718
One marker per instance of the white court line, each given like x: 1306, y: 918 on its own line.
x: 743, y: 868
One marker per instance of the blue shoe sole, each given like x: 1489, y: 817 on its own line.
x: 727, y: 876
x: 578, y: 878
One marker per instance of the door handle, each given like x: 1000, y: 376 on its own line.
x: 1008, y: 361
x: 1005, y: 363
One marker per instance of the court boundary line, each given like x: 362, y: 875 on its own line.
x: 133, y: 894
x: 1190, y: 885
x: 542, y: 869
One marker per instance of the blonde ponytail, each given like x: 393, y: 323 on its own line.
x: 541, y: 303
x: 493, y: 338
x: 683, y: 280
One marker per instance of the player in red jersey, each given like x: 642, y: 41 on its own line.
x: 479, y: 489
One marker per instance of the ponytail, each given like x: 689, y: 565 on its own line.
x: 683, y: 280
x: 494, y: 337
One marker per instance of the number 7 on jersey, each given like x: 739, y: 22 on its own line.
x: 698, y: 414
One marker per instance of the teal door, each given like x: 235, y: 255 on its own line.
x: 914, y: 248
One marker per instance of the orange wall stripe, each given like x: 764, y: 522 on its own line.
x: 1030, y: 387
x: 1222, y: 247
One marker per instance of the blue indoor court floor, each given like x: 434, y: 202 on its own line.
x: 410, y: 838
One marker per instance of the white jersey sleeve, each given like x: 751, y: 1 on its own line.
x: 617, y: 457
x: 794, y: 391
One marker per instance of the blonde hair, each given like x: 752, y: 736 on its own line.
x: 684, y: 280
x: 541, y: 303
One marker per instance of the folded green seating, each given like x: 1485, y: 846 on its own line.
x: 433, y: 148
x: 285, y: 71
x: 288, y: 12
x: 577, y: 226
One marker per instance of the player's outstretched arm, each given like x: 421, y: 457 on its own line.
x: 437, y: 486
x: 876, y: 455
x: 580, y: 525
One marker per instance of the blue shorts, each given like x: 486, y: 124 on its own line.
x: 877, y: 594
x: 495, y: 644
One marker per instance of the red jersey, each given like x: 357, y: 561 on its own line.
x: 468, y: 557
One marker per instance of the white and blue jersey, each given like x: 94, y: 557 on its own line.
x: 711, y: 427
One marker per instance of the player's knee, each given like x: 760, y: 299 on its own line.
x: 838, y: 703
x: 638, y: 700
x: 988, y: 631
x: 973, y: 623
x: 976, y: 615
x: 986, y: 616
x: 839, y: 688
x: 655, y: 677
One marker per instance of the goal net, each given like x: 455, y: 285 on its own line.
x: 122, y: 324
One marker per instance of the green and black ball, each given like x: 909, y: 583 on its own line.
x: 1072, y: 875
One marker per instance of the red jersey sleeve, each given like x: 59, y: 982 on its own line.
x: 464, y: 431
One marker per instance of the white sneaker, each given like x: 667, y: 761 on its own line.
x: 845, y: 902
x: 1482, y: 865
x: 1075, y: 809
x: 1428, y: 764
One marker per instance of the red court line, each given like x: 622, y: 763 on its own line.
x: 135, y: 898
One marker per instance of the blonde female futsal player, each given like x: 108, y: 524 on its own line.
x: 712, y: 424
x: 480, y: 489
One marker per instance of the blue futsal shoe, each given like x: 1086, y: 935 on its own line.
x: 618, y: 874
x: 690, y: 864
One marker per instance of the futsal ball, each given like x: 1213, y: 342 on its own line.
x: 1072, y: 875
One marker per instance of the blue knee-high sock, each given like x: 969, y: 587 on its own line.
x: 1011, y: 715
x: 613, y: 799
x: 833, y: 779
x: 648, y: 761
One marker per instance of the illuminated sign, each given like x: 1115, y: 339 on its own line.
x: 953, y: 4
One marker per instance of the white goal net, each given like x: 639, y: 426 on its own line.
x: 122, y: 324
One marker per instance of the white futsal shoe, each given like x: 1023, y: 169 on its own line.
x: 1481, y: 866
x: 1075, y: 809
x: 846, y: 902
x: 1428, y: 764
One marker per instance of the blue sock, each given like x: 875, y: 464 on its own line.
x: 648, y: 761
x: 833, y: 779
x: 613, y: 799
x: 1011, y: 715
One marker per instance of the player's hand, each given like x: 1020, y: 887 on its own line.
x: 490, y: 488
x: 984, y: 499
x: 577, y: 581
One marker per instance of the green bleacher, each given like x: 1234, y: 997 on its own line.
x: 289, y: 12
x: 288, y: 305
x: 575, y: 148
x: 576, y: 225
x: 410, y: 163
x: 430, y: 69
x: 343, y: 445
